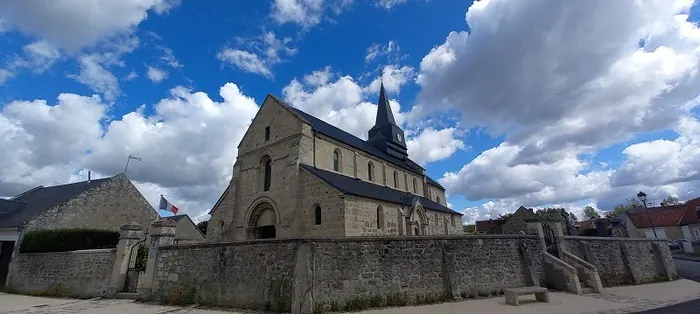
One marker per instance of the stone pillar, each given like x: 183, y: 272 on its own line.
x: 128, y: 236
x: 535, y: 228
x: 163, y: 233
x: 559, y: 238
x: 302, y: 300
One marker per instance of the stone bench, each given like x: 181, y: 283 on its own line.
x: 541, y: 294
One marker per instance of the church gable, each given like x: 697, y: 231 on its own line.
x: 273, y: 122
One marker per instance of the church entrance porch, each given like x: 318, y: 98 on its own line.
x: 262, y: 223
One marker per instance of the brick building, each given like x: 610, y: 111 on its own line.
x: 107, y: 203
x: 297, y: 176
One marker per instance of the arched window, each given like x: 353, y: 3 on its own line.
x: 396, y: 179
x: 437, y: 199
x: 336, y: 160
x: 370, y: 171
x: 265, y: 173
x: 380, y: 217
x: 317, y: 212
x: 415, y: 185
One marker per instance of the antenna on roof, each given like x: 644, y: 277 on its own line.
x: 128, y: 159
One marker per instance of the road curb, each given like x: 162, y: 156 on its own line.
x: 687, y: 259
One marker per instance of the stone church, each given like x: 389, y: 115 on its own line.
x: 297, y: 176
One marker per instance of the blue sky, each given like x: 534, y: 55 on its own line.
x: 521, y: 109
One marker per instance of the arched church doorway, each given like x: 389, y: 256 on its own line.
x: 263, y: 221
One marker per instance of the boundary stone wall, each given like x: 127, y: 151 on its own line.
x: 622, y: 261
x: 262, y: 274
x: 82, y: 274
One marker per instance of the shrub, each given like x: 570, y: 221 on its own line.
x: 141, y: 257
x: 62, y: 240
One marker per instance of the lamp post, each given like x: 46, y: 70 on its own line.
x: 643, y: 197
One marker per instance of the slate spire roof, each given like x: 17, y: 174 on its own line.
x: 384, y: 114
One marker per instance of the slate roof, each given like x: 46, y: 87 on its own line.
x: 660, y: 216
x: 361, y: 188
x: 14, y: 212
x: 584, y: 224
x: 347, y: 138
x: 485, y: 225
x: 176, y: 218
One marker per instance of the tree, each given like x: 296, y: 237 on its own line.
x: 573, y: 218
x: 670, y: 200
x: 621, y: 208
x: 553, y: 214
x: 590, y: 213
x: 469, y: 229
x: 202, y: 226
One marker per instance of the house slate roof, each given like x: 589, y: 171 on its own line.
x: 361, y: 188
x: 349, y: 139
x: 485, y: 225
x: 659, y: 216
x: 176, y: 218
x: 585, y: 224
x: 14, y: 212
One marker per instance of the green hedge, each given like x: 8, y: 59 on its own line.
x: 62, y: 240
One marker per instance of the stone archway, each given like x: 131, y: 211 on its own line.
x: 262, y: 223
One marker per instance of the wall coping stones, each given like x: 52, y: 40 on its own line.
x: 550, y: 257
x: 351, y: 239
x: 73, y: 252
x: 580, y: 261
x: 133, y: 226
x: 614, y: 239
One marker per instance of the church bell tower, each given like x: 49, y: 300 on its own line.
x: 385, y: 134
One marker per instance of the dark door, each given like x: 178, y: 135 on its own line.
x: 6, y: 248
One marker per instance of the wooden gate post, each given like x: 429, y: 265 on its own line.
x: 129, y: 235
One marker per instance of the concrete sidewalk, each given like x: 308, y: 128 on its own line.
x: 628, y: 299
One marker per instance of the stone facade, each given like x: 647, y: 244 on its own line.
x: 187, y: 232
x: 110, y: 205
x: 624, y: 261
x: 341, y: 269
x: 81, y: 274
x: 286, y: 139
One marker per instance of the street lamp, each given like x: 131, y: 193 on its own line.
x: 643, y: 197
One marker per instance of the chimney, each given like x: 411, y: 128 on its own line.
x: 89, y: 172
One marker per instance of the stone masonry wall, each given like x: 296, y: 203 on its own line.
x: 247, y: 274
x: 110, y: 205
x: 260, y: 274
x: 81, y: 274
x: 316, y: 192
x: 622, y: 261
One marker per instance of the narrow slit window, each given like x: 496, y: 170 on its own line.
x: 318, y: 214
x: 267, y: 133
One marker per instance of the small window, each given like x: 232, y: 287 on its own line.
x: 380, y: 217
x: 437, y: 199
x: 268, y: 175
x: 453, y: 220
x: 370, y: 171
x: 415, y: 185
x: 336, y: 160
x: 445, y: 225
x: 222, y: 225
x: 318, y: 214
x: 396, y: 179
x: 267, y: 133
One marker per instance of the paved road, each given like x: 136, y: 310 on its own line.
x: 688, y: 269
x: 681, y: 308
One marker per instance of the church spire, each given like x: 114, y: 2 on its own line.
x: 385, y: 134
x: 384, y: 114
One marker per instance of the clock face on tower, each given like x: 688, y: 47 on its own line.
x: 398, y: 137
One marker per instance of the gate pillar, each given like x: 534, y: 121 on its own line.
x: 129, y: 235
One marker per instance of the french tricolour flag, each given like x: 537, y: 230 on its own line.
x: 165, y: 205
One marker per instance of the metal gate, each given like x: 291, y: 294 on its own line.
x: 549, y: 240
x: 138, y: 256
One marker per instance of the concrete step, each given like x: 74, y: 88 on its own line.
x: 586, y: 290
x: 126, y: 295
